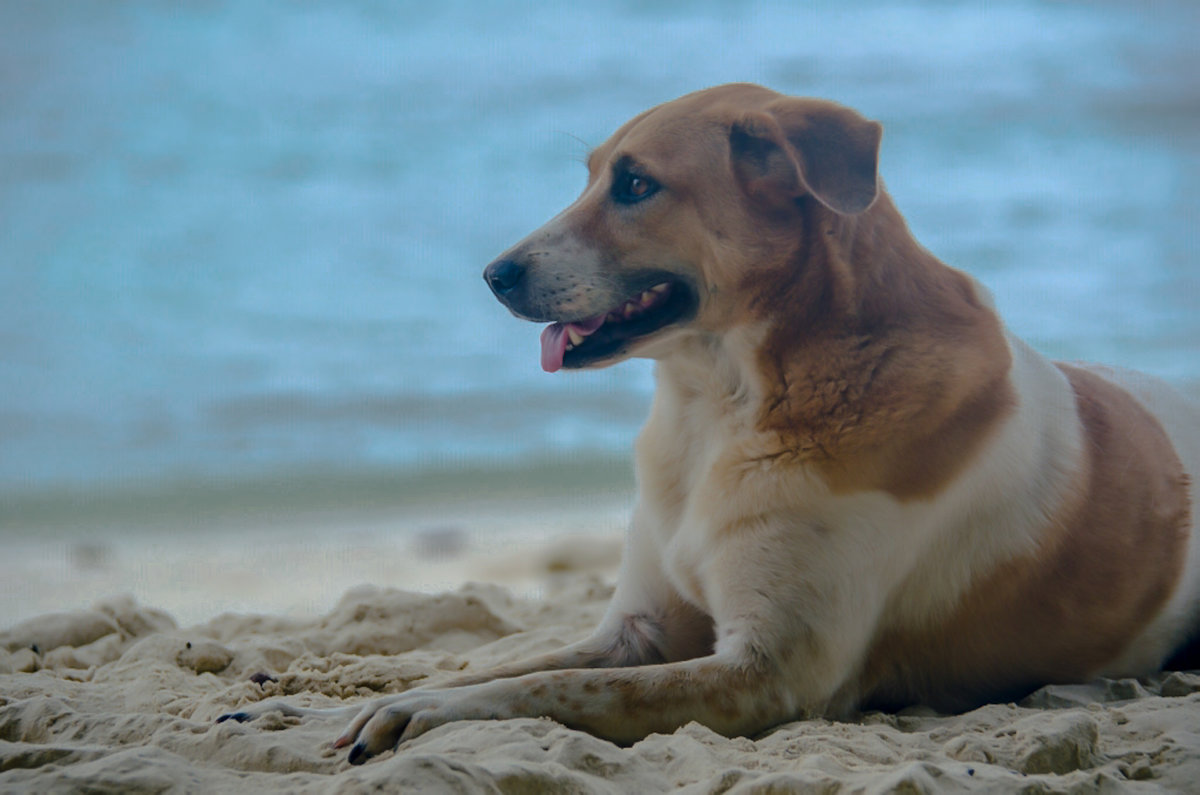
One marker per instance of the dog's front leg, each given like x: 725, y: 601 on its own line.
x: 730, y: 693
x: 622, y: 639
x: 647, y: 623
x: 786, y: 638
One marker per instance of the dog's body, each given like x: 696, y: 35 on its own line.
x: 855, y: 488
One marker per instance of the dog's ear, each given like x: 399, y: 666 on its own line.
x: 800, y: 146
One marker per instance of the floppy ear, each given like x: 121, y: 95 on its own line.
x: 800, y: 146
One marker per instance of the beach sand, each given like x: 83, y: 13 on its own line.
x: 121, y: 694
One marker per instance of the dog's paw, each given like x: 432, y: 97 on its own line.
x: 384, y: 724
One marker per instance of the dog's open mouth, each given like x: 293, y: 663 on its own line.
x: 587, y: 341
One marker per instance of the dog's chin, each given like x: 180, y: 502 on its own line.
x: 657, y: 306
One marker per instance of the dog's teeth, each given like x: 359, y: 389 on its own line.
x: 574, y: 336
x: 570, y: 347
x: 635, y: 306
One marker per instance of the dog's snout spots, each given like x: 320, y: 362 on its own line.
x: 504, y: 275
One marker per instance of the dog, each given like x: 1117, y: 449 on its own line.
x: 856, y: 489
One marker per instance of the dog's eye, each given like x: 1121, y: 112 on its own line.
x: 629, y: 188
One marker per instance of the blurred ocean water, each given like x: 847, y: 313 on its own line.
x: 242, y: 242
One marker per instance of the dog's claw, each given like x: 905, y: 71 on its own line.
x: 240, y: 717
x: 358, y: 754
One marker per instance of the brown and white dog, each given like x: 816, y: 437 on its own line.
x: 855, y: 488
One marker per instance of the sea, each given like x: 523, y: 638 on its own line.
x: 241, y: 242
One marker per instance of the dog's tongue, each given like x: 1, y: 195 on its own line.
x: 555, y: 339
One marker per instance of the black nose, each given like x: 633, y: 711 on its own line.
x: 504, y: 275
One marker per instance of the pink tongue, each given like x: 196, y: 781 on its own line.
x: 555, y: 339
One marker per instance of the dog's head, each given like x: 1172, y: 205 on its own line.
x: 682, y: 205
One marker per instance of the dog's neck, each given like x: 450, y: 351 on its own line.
x: 716, y: 368
x: 858, y: 344
x: 861, y: 274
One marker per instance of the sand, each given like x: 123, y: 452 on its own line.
x: 122, y: 696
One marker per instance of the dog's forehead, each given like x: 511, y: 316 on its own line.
x: 662, y: 139
x: 719, y: 101
x: 690, y: 124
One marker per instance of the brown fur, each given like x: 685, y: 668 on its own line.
x: 1107, y: 565
x: 885, y: 369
